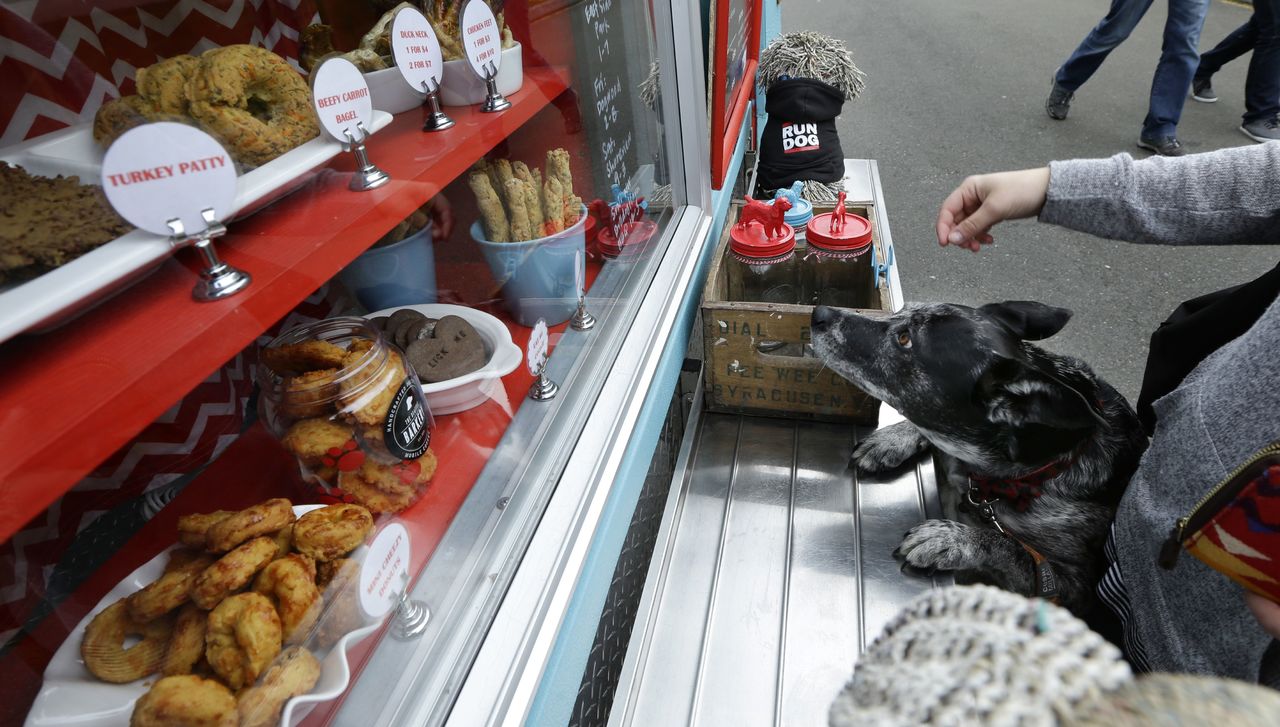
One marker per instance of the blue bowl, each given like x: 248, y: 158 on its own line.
x: 403, y: 273
x: 537, y: 276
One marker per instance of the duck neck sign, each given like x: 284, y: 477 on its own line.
x: 416, y: 49
x: 166, y: 171
x: 481, y: 40
x: 341, y: 99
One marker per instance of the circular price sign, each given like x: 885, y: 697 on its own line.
x: 384, y: 575
x: 416, y: 49
x: 481, y: 41
x: 536, y: 353
x: 165, y: 171
x: 341, y: 98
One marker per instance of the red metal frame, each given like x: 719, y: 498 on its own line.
x: 724, y: 137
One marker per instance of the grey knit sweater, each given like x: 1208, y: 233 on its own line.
x: 1190, y: 619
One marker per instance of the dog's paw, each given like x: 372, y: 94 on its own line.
x: 888, y: 449
x: 936, y: 545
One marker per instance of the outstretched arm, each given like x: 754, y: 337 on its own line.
x: 1231, y: 196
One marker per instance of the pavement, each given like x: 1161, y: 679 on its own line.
x: 958, y: 87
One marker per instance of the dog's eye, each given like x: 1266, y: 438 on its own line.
x: 904, y: 339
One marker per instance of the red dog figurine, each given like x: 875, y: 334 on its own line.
x: 769, y: 216
x: 837, y: 215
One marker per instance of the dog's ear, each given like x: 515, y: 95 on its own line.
x: 1027, y: 319
x: 1045, y: 414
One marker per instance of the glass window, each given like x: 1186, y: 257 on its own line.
x: 148, y: 434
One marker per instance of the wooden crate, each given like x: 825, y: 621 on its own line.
x: 756, y: 357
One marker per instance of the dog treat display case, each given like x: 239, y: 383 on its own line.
x: 400, y: 439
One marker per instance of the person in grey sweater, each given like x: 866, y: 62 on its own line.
x: 1189, y: 619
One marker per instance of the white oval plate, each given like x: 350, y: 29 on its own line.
x: 72, y: 696
x: 473, y: 389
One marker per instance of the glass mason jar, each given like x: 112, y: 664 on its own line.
x: 836, y: 269
x: 761, y: 270
x: 349, y: 408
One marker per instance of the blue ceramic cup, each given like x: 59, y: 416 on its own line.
x: 403, y: 273
x: 537, y: 276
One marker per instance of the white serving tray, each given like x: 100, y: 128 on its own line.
x: 473, y: 389
x: 57, y: 295
x: 71, y: 695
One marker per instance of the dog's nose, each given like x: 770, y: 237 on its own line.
x: 822, y: 317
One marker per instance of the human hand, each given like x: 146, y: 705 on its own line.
x: 1266, y: 611
x: 969, y: 213
x: 441, y: 213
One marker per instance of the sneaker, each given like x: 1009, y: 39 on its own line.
x: 1167, y: 146
x: 1263, y: 129
x: 1202, y: 90
x: 1059, y: 102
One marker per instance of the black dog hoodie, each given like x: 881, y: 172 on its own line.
x: 799, y: 140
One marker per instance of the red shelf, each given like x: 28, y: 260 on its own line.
x: 70, y: 398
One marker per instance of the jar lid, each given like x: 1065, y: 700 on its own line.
x: 799, y: 213
x: 750, y: 241
x: 634, y: 236
x: 855, y: 235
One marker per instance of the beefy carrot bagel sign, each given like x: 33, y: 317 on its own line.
x: 166, y: 171
x: 481, y: 40
x: 341, y: 98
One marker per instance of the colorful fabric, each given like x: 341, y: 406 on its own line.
x: 1243, y: 540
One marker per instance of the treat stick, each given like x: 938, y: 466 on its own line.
x: 553, y: 204
x: 520, y: 229
x: 492, y: 216
x: 532, y: 197
x: 502, y: 170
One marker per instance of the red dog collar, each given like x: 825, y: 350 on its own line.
x: 1020, y: 492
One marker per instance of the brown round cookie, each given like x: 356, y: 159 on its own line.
x: 402, y: 315
x: 300, y: 358
x: 379, y: 322
x: 311, y: 439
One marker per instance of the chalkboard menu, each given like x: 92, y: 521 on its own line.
x: 615, y: 50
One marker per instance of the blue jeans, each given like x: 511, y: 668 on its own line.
x: 1262, y: 36
x: 1178, y: 57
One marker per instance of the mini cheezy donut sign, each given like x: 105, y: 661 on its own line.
x: 384, y: 575
x: 166, y: 171
x: 341, y: 98
x: 481, y: 40
x: 416, y: 49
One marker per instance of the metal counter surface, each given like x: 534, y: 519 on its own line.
x: 772, y: 571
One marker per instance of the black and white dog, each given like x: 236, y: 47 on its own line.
x: 1039, y: 448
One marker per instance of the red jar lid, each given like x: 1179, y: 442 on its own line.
x: 634, y: 237
x: 855, y: 235
x: 749, y: 241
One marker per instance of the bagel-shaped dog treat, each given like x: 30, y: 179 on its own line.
x: 232, y: 572
x: 290, y: 584
x: 243, y: 637
x: 261, y: 519
x: 253, y: 101
x: 185, y: 701
x: 284, y: 541
x: 389, y: 488
x: 294, y: 672
x: 164, y: 84
x: 332, y: 532
x: 193, y: 530
x: 368, y: 391
x: 168, y: 591
x: 103, y: 645
x: 186, y: 646
x: 119, y: 115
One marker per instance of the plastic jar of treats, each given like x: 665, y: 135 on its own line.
x: 349, y: 408
x: 836, y: 268
x: 761, y: 269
